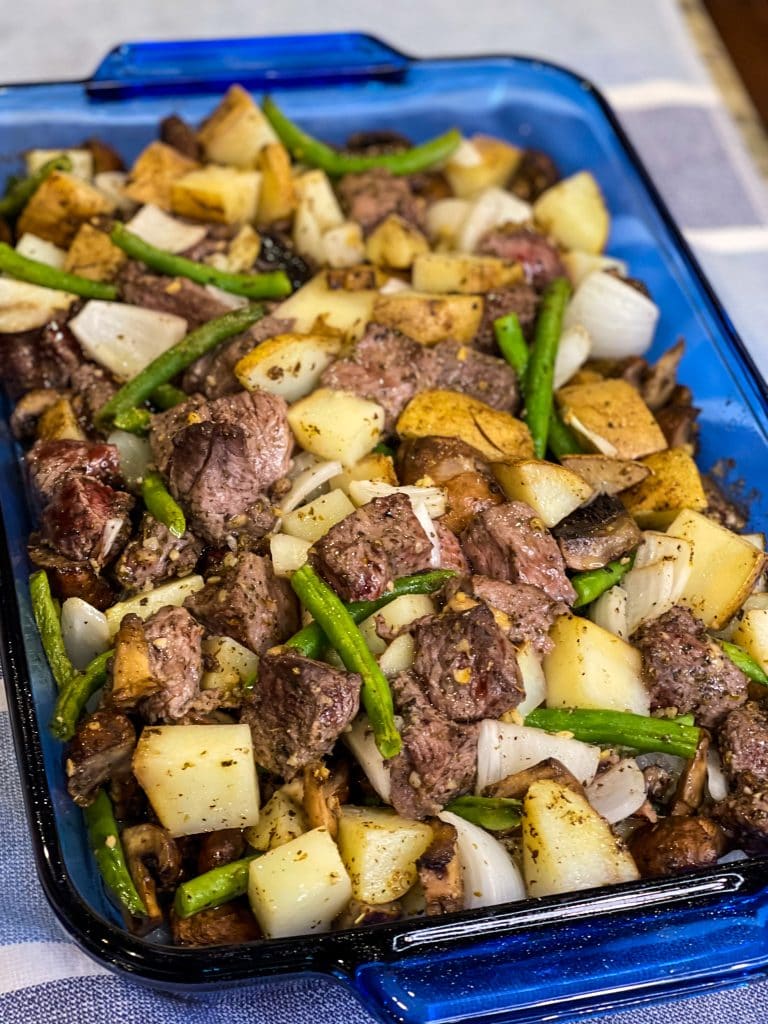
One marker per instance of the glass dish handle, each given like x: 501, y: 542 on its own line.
x: 570, y: 966
x: 209, y: 65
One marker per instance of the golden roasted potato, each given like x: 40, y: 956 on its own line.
x: 395, y: 243
x: 430, y: 318
x: 59, y: 206
x: 242, y: 252
x: 377, y: 467
x: 314, y: 519
x: 316, y: 308
x: 604, y: 474
x: 498, y: 436
x: 59, y: 423
x: 552, y: 491
x: 479, y: 163
x: 281, y: 820
x: 574, y: 212
x: 612, y: 418
x: 288, y: 364
x: 380, y: 850
x: 93, y: 255
x: 222, y: 194
x: 359, y: 278
x: 277, y: 199
x: 459, y: 272
x: 153, y: 173
x: 674, y: 483
x: 336, y: 425
x: 236, y: 131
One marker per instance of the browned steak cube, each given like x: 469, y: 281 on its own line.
x: 174, y: 644
x: 49, y: 462
x: 86, y: 520
x: 154, y: 555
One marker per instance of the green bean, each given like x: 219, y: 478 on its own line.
x: 48, y: 622
x: 497, y: 813
x: 176, y: 359
x: 541, y: 366
x: 591, y: 584
x: 21, y: 191
x: 104, y: 839
x: 161, y: 504
x: 166, y: 396
x: 75, y: 695
x: 744, y: 661
x: 220, y: 885
x: 561, y: 440
x: 25, y: 269
x: 308, y: 150
x: 512, y: 344
x: 619, y: 729
x: 274, y: 285
x: 134, y: 421
x: 347, y: 640
x: 311, y: 641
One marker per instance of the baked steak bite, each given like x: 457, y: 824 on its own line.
x: 154, y: 555
x: 49, y: 462
x: 174, y: 645
x: 86, y: 520
x: 527, y: 613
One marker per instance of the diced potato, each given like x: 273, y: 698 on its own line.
x: 337, y: 425
x: 396, y: 243
x: 313, y: 520
x: 567, y: 845
x: 281, y: 820
x: 440, y: 272
x: 674, y: 483
x: 288, y: 364
x: 430, y: 318
x: 497, y: 435
x: 723, y: 570
x: 552, y: 491
x: 59, y: 206
x: 579, y: 264
x: 591, y: 668
x: 359, y: 278
x: 288, y: 553
x: 445, y: 219
x: 376, y: 467
x: 751, y: 633
x: 315, y: 192
x: 612, y: 418
x: 153, y: 173
x: 277, y: 199
x: 35, y: 248
x: 607, y: 475
x: 316, y: 305
x: 299, y: 887
x: 92, y: 255
x: 147, y: 603
x: 24, y: 307
x: 222, y: 194
x: 491, y: 208
x: 398, y: 657
x: 574, y: 212
x: 480, y: 162
x: 380, y: 850
x: 243, y: 251
x: 237, y: 131
x: 228, y: 665
x: 398, y: 613
x: 112, y: 185
x: 343, y: 246
x: 59, y: 423
x: 198, y: 778
x: 81, y: 159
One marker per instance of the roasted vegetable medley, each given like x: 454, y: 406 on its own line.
x: 372, y: 559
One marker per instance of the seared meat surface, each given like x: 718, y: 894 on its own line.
x: 100, y: 750
x: 154, y: 555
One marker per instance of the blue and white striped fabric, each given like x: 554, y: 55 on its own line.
x: 642, y: 56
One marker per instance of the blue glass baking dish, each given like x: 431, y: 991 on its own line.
x: 555, y: 957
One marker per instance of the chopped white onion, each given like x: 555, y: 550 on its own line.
x: 158, y: 228
x: 398, y: 657
x: 360, y: 740
x: 490, y: 209
x: 421, y: 512
x: 39, y: 249
x: 617, y: 792
x: 301, y: 462
x: 620, y: 320
x: 489, y: 874
x: 393, y: 285
x: 653, y: 589
x: 363, y: 491
x: 534, y: 680
x: 572, y: 352
x: 343, y: 245
x: 503, y: 749
x: 466, y: 154
x: 25, y: 307
x: 288, y: 553
x: 135, y: 455
x: 125, y: 339
x: 656, y: 546
x: 307, y: 483
x: 716, y: 780
x: 112, y: 185
x: 732, y: 857
x: 84, y: 630
x: 609, y: 612
x: 227, y: 298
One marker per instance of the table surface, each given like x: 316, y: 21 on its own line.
x: 644, y: 57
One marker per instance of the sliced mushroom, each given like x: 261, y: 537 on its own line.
x: 678, y: 844
x: 153, y: 858
x: 101, y: 749
x: 324, y: 793
x: 516, y: 786
x: 440, y: 870
x: 30, y: 408
x: 692, y: 782
x: 230, y: 924
x: 358, y: 914
x: 132, y: 678
x: 219, y: 848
